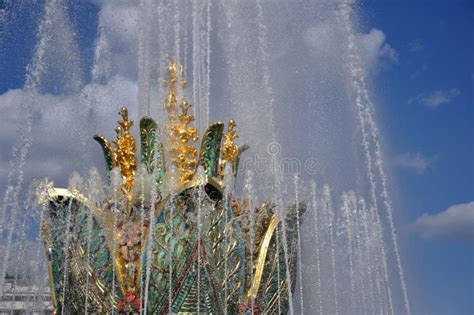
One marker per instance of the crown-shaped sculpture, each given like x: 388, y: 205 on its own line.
x: 170, y: 236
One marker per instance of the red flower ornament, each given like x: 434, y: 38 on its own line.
x: 130, y: 304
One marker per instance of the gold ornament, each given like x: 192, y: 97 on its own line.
x: 230, y: 150
x: 182, y: 154
x: 124, y: 153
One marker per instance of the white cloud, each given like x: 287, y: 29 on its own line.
x: 376, y: 53
x: 455, y: 222
x: 62, y: 131
x: 436, y: 98
x: 414, y: 161
x: 375, y: 50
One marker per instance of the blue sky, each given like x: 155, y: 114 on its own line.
x: 425, y: 110
x: 434, y: 42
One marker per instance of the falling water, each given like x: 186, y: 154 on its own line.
x: 278, y: 244
x: 101, y: 70
x: 275, y: 155
x: 20, y: 253
x: 347, y: 202
x: 92, y: 192
x: 387, y: 202
x: 66, y: 255
x: 56, y: 66
x: 196, y: 54
x: 382, y: 281
x: 363, y: 221
x: 246, y: 54
x: 298, y: 229
x: 5, y: 200
x: 115, y: 183
x: 264, y: 57
x: 164, y: 54
x: 149, y: 250
x: 196, y: 60
x: 363, y: 272
x: 54, y: 19
x: 163, y: 31
x: 177, y: 30
x: 170, y: 255
x: 284, y: 239
x: 208, y: 63
x: 200, y: 199
x: 186, y: 39
x: 366, y: 109
x: 114, y: 248
x: 142, y: 223
x: 362, y: 256
x: 330, y: 215
x: 37, y: 261
x: 144, y: 38
x: 13, y: 204
x: 314, y: 207
x: 228, y: 188
x: 345, y: 7
x: 251, y: 199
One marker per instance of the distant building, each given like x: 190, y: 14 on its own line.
x: 24, y: 298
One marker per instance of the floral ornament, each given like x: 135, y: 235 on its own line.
x: 130, y: 304
x: 130, y: 241
x: 249, y: 309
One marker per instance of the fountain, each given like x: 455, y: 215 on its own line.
x: 162, y: 223
x: 298, y: 221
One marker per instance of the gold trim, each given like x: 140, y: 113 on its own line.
x: 252, y: 293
